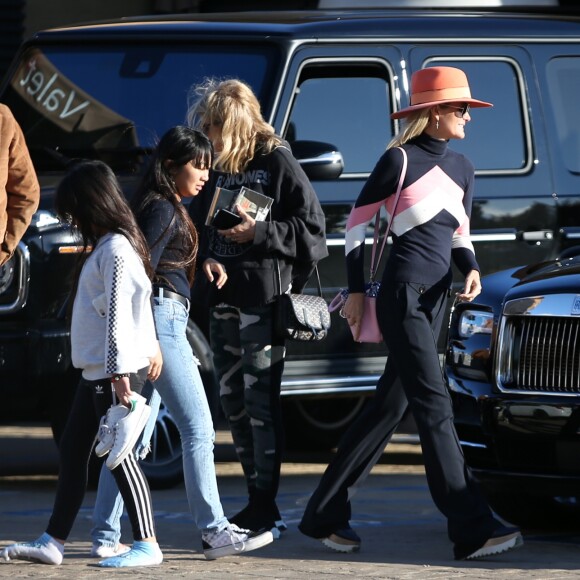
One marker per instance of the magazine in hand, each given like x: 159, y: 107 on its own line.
x: 222, y: 213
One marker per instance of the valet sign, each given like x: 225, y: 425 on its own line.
x: 51, y: 94
x: 44, y: 88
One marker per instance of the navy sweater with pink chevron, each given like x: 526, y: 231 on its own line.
x: 431, y: 224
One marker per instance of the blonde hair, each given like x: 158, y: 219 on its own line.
x: 415, y: 124
x: 232, y: 104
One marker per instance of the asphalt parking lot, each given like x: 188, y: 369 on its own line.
x: 403, y: 534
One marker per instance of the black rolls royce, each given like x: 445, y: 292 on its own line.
x: 513, y: 369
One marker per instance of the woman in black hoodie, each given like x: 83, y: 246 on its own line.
x: 263, y: 259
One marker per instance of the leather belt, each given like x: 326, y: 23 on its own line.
x: 164, y: 293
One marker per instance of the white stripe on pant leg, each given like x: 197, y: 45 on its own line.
x: 136, y: 485
x: 128, y: 471
x: 139, y: 496
x: 144, y: 497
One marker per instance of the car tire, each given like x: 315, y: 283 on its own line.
x: 163, y: 466
x: 318, y: 424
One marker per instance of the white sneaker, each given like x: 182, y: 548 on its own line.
x: 102, y: 551
x: 106, y: 434
x: 128, y: 429
x: 44, y: 550
x: 498, y: 545
x: 233, y: 541
x: 504, y: 538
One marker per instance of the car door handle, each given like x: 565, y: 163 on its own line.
x: 537, y: 235
x: 494, y: 235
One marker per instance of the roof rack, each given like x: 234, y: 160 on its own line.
x: 456, y: 4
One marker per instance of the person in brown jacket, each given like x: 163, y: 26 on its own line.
x: 19, y: 188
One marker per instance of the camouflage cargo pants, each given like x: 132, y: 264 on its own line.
x: 249, y: 361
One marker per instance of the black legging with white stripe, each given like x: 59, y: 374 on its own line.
x: 92, y: 399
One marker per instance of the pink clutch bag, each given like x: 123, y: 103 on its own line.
x: 369, y: 326
x: 369, y: 329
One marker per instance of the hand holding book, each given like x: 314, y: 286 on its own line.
x: 223, y: 213
x: 225, y: 219
x: 243, y: 232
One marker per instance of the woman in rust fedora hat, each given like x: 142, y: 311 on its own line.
x: 430, y: 229
x: 439, y: 85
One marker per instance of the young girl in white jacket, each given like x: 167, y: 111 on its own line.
x: 113, y: 341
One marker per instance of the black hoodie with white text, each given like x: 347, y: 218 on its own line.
x: 292, y: 237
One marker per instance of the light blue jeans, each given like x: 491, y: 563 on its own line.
x: 181, y: 390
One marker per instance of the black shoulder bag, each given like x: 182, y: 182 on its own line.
x: 303, y: 317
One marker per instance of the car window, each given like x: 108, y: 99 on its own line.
x: 112, y: 102
x: 564, y: 90
x: 348, y: 107
x: 488, y: 144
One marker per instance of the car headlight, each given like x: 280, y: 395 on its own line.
x: 475, y: 322
x: 43, y: 219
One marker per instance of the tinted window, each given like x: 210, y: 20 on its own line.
x: 348, y: 108
x: 487, y: 143
x: 106, y: 101
x: 564, y: 89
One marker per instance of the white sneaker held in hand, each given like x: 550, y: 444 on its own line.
x: 128, y: 429
x: 106, y: 434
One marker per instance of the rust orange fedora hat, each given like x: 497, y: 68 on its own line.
x: 437, y: 85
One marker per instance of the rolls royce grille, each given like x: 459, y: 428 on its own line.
x: 540, y: 354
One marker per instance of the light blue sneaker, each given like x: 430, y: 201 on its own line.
x: 141, y: 554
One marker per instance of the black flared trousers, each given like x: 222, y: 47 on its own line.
x: 410, y: 317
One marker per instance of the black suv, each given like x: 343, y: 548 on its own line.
x: 327, y: 81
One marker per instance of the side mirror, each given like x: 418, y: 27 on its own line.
x: 320, y: 161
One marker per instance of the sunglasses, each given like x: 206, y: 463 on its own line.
x: 460, y: 111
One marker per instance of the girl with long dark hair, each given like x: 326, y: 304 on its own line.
x: 113, y: 341
x: 178, y: 169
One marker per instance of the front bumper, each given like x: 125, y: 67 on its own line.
x: 511, y: 439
